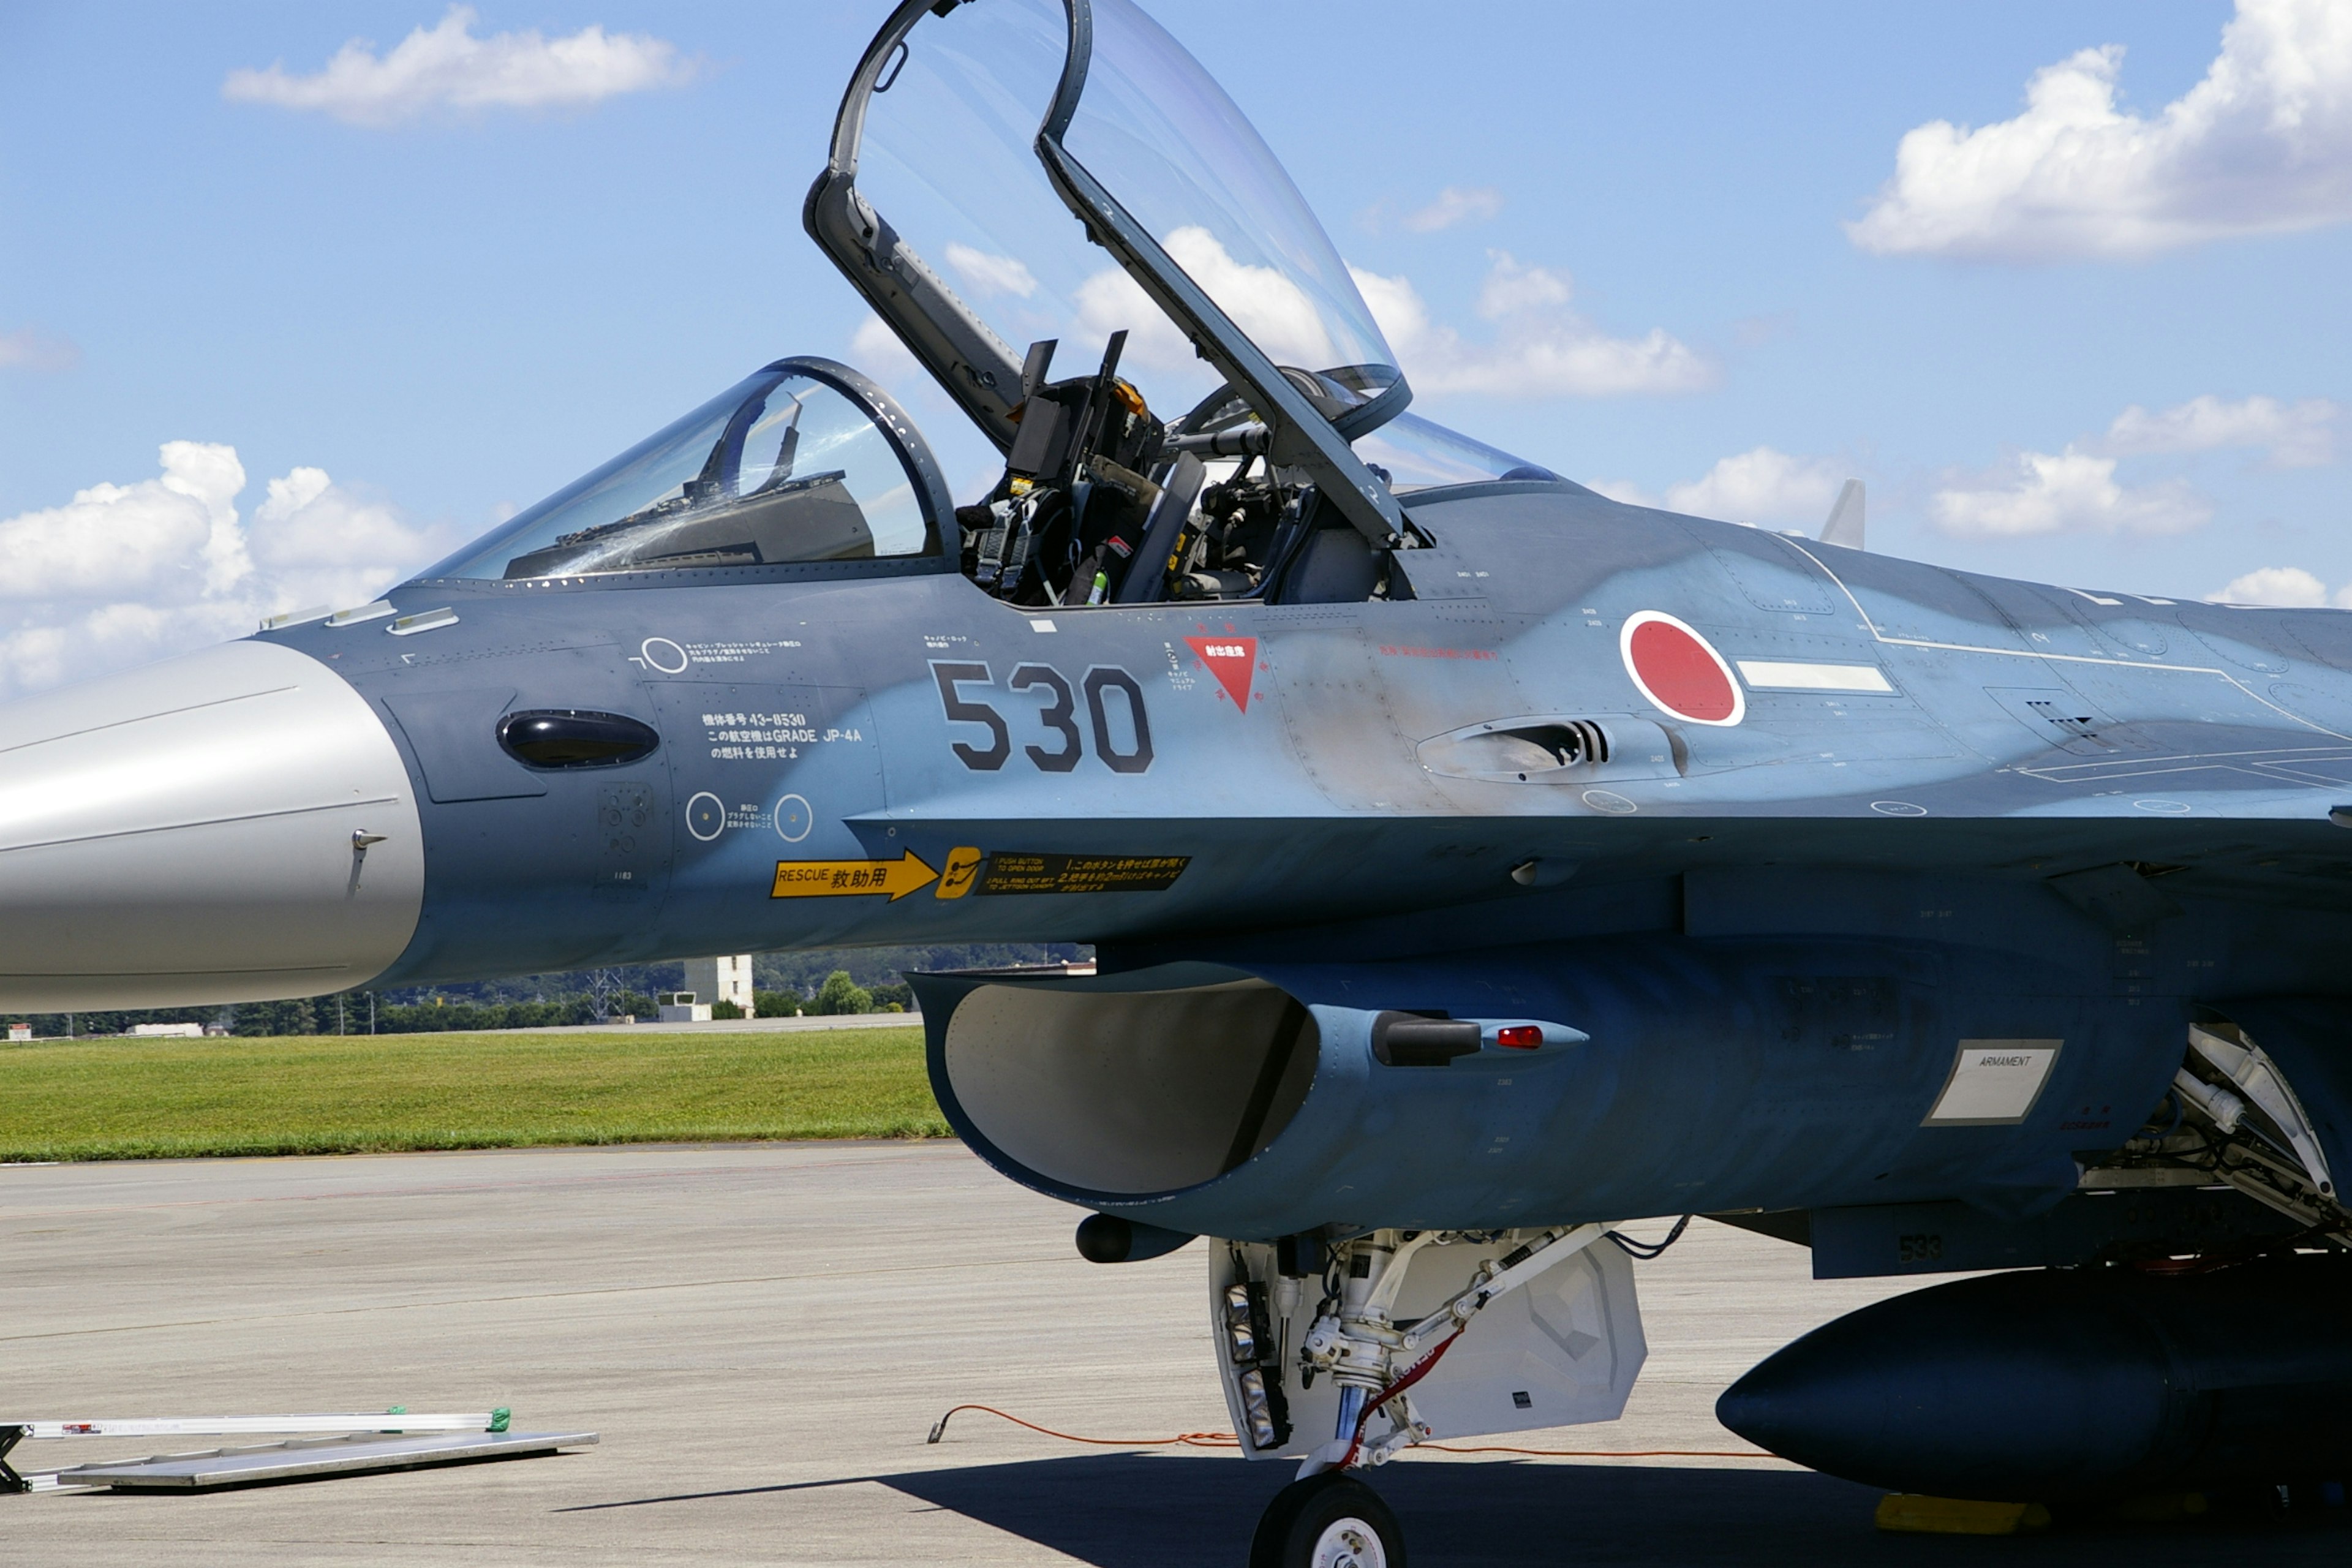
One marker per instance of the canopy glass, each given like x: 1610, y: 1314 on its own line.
x: 780, y: 468
x: 945, y: 150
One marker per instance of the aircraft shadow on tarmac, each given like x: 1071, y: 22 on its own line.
x: 1131, y: 1510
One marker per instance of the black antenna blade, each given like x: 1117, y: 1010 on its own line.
x: 1111, y: 350
x: 1034, y: 368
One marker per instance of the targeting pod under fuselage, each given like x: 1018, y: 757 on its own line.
x: 2055, y: 1385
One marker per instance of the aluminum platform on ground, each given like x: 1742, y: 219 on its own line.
x: 764, y: 1334
x: 307, y: 1459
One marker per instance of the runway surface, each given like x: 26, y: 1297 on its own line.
x: 764, y: 1333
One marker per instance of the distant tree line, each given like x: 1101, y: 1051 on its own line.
x: 833, y: 984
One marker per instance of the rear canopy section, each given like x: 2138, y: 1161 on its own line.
x: 970, y: 137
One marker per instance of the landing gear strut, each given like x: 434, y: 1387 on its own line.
x: 1327, y: 1521
x: 1327, y: 1518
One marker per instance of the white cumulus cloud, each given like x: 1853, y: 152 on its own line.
x: 1456, y: 204
x: 1274, y: 312
x: 1760, y: 486
x: 2296, y: 435
x: 2262, y: 145
x: 447, y: 67
x: 170, y: 537
x: 2068, y: 491
x: 1540, y: 346
x: 313, y: 542
x: 985, y: 273
x: 126, y: 573
x: 2284, y: 587
x: 1109, y: 302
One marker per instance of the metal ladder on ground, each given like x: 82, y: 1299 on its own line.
x: 311, y: 1446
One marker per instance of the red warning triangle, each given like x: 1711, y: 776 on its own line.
x: 1232, y: 660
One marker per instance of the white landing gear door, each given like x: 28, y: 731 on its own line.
x: 1561, y: 1350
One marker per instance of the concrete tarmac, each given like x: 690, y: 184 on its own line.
x: 764, y: 1333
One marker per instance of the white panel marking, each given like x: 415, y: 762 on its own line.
x: 1994, y: 1083
x: 1814, y: 677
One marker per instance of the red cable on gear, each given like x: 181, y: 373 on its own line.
x: 1411, y: 1375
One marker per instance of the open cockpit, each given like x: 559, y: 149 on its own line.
x: 1043, y: 171
x: 1053, y: 173
x: 1101, y: 503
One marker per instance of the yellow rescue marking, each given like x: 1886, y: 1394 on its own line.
x: 850, y: 879
x: 963, y: 869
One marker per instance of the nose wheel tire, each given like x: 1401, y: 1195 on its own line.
x: 1330, y: 1521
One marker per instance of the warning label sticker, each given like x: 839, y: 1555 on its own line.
x: 1016, y: 873
x: 1232, y: 660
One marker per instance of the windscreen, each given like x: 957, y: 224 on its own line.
x: 1410, y: 453
x: 779, y: 467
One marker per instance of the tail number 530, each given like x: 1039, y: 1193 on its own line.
x: 1121, y: 730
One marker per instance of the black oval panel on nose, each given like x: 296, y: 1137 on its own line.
x: 568, y: 738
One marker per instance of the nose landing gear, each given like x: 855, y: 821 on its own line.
x: 1327, y: 1518
x: 1327, y: 1521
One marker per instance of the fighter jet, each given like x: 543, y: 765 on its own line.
x: 1474, y: 863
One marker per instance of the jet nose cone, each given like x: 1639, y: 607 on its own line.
x: 228, y: 827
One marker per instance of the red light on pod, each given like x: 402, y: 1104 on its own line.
x: 1519, y: 1036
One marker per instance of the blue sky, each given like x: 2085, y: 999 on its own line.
x: 407, y: 314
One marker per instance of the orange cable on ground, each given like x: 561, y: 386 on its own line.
x: 1185, y: 1439
x: 1227, y: 1440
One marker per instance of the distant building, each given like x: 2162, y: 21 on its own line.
x: 169, y: 1031
x: 724, y: 979
x: 682, y: 1007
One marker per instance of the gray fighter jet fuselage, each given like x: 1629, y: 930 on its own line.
x: 2000, y: 810
x: 1472, y: 859
x: 1301, y: 763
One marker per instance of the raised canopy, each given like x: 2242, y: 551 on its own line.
x: 1008, y: 171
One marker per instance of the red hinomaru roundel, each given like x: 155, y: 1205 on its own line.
x: 1679, y: 671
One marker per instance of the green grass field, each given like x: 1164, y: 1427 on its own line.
x: 120, y: 1099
